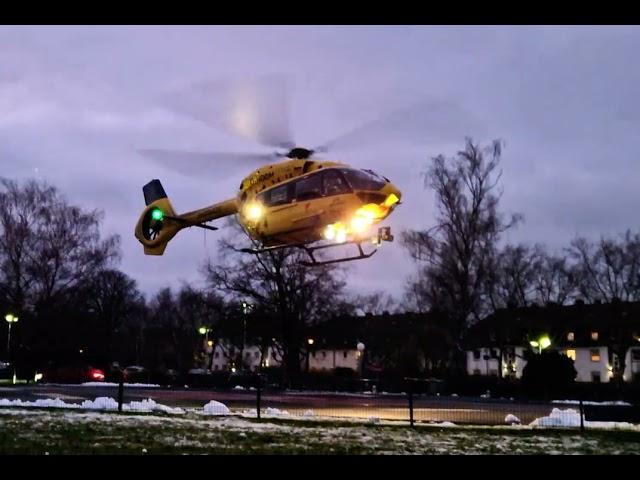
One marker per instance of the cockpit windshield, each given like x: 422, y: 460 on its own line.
x: 363, y: 179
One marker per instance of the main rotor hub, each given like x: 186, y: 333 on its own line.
x: 301, y: 153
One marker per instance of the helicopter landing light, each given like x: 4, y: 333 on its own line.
x: 254, y: 211
x: 330, y: 232
x: 360, y: 224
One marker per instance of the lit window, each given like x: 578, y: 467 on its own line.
x: 594, y: 336
x: 571, y: 354
x: 595, y: 355
x: 571, y: 337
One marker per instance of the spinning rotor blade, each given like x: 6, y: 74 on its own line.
x: 426, y: 121
x: 253, y: 108
x: 201, y: 163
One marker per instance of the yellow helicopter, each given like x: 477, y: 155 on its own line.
x: 294, y: 203
x: 299, y: 201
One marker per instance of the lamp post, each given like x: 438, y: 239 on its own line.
x: 310, y: 342
x: 360, y: 348
x: 246, y: 310
x: 205, y: 331
x: 11, y: 319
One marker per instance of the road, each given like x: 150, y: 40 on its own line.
x: 386, y: 407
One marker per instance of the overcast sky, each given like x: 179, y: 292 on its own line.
x: 76, y: 102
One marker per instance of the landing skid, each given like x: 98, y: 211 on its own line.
x: 384, y: 234
x: 315, y: 263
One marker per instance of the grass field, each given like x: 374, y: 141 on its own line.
x: 45, y: 432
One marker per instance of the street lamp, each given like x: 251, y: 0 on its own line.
x: 542, y: 343
x: 11, y: 319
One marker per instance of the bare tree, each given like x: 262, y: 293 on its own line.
x: 288, y: 295
x: 178, y: 316
x: 511, y: 280
x: 48, y: 248
x: 113, y: 299
x: 555, y: 279
x: 455, y: 255
x: 609, y: 268
x: 375, y: 303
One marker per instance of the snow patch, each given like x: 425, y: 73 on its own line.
x: 111, y: 384
x: 511, y: 419
x: 275, y: 411
x: 577, y: 402
x: 100, y: 403
x: 216, y: 408
x: 571, y: 418
x: 558, y: 418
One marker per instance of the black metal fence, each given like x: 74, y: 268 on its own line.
x: 416, y: 404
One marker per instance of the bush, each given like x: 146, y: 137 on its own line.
x: 549, y: 373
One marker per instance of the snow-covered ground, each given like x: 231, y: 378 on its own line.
x: 58, y: 431
x: 558, y: 417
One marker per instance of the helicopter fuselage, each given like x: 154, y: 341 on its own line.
x: 302, y: 201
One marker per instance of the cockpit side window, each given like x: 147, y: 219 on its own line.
x: 275, y: 196
x: 334, y: 183
x: 362, y: 180
x: 308, y: 188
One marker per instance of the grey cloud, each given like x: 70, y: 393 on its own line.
x: 76, y: 102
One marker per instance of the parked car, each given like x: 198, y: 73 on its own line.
x: 6, y: 370
x: 72, y: 374
x: 136, y: 374
x: 199, y: 377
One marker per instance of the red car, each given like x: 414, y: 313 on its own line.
x: 73, y: 374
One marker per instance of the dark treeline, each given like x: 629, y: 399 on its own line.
x: 61, y: 277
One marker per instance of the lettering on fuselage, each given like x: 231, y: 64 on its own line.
x: 261, y: 178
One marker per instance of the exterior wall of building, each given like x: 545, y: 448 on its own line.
x: 324, y: 360
x: 478, y: 365
x: 513, y: 362
x: 591, y: 363
x: 224, y: 357
x: 632, y: 365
